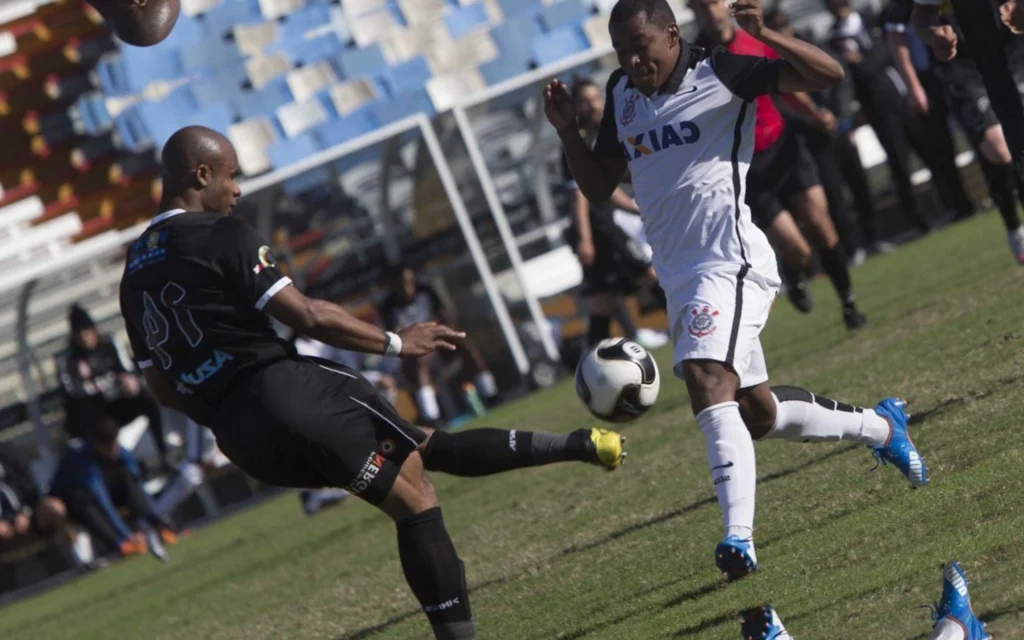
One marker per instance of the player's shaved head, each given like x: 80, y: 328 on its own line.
x: 142, y: 23
x: 656, y: 12
x: 200, y: 168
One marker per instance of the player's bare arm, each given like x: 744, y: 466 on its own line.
x: 331, y: 324
x: 621, y: 200
x: 596, y: 176
x: 809, y: 68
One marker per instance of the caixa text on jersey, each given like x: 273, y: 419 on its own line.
x: 655, y: 140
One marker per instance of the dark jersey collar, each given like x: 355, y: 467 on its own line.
x: 687, y: 59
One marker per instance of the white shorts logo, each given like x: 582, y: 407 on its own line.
x: 702, y: 321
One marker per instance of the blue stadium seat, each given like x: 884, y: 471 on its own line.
x: 286, y: 151
x: 563, y: 14
x: 558, y: 44
x: 131, y: 130
x: 504, y: 67
x: 514, y: 35
x: 359, y: 122
x: 407, y: 76
x: 207, y: 90
x: 294, y: 25
x: 514, y: 8
x: 93, y: 111
x: 396, y: 12
x: 217, y: 116
x: 402, y: 106
x: 358, y: 62
x: 249, y: 104
x: 113, y: 77
x: 211, y: 53
x: 306, y: 181
x: 465, y: 19
x: 163, y: 118
x: 303, y: 51
x: 227, y: 15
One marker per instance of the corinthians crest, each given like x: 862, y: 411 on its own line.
x: 702, y: 321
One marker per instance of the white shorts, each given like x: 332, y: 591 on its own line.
x: 719, y: 316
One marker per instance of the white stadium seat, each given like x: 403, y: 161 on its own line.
x: 251, y: 138
x: 306, y: 82
x: 296, y: 117
x: 14, y: 218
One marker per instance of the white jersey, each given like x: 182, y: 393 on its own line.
x: 689, y: 146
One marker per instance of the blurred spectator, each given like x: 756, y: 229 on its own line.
x: 878, y: 90
x: 22, y: 509
x: 409, y: 303
x: 98, y: 377
x: 614, y: 263
x: 97, y: 477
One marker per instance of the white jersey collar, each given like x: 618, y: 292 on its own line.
x: 165, y: 215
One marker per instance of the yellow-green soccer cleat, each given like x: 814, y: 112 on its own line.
x: 605, y: 448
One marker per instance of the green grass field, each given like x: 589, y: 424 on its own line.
x: 572, y: 552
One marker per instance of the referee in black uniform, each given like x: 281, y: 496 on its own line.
x: 195, y: 291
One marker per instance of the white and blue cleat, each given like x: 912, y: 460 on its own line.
x: 955, y: 604
x: 762, y: 623
x: 898, y: 449
x: 735, y: 557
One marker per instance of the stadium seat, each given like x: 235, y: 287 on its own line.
x: 273, y: 9
x: 307, y: 51
x: 163, y: 118
x: 306, y: 82
x: 596, y: 30
x: 286, y: 151
x: 359, y: 62
x: 451, y: 88
x: 359, y: 122
x: 403, y: 106
x: 514, y: 36
x: 251, y: 138
x: 465, y: 19
x: 227, y: 15
x: 217, y: 116
x: 211, y: 54
x: 503, y: 68
x: 306, y: 181
x: 295, y: 25
x: 563, y: 14
x: 263, y: 68
x: 262, y: 102
x: 373, y: 27
x: 254, y: 39
x: 298, y: 117
x: 130, y: 131
x: 15, y: 217
x: 514, y: 8
x: 558, y: 44
x: 407, y: 76
x: 92, y: 113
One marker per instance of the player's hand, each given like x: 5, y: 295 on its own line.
x: 917, y: 99
x: 1012, y: 15
x: 427, y: 337
x: 559, y: 106
x: 943, y: 42
x: 21, y: 524
x: 826, y: 120
x: 749, y: 16
x: 130, y: 385
x: 585, y: 252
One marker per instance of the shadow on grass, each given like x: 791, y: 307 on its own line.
x: 987, y: 618
x: 675, y: 513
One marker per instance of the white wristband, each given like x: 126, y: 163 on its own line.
x: 394, y: 344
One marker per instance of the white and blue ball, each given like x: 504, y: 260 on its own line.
x: 617, y: 380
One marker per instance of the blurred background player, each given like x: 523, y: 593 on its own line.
x: 201, y: 457
x: 614, y: 264
x: 960, y: 82
x: 953, y: 615
x: 880, y: 92
x: 411, y: 302
x: 22, y: 509
x: 96, y: 478
x: 783, y: 178
x: 98, y: 378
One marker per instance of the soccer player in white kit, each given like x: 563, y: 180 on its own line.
x: 681, y: 119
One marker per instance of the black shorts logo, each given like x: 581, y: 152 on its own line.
x: 387, y: 446
x: 367, y: 474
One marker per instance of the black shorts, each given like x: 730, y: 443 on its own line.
x: 966, y: 93
x: 619, y: 262
x: 778, y: 173
x: 310, y: 423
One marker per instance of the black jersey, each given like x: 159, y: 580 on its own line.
x: 602, y: 214
x: 898, y: 13
x: 398, y: 313
x: 192, y: 297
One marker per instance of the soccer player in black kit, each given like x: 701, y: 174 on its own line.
x: 197, y: 289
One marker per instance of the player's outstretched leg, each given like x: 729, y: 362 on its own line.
x: 431, y: 566
x: 762, y: 623
x: 797, y: 415
x: 954, y: 617
x: 482, y: 452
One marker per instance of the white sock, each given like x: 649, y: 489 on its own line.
x: 948, y: 629
x: 189, y: 477
x: 732, y: 464
x: 485, y: 384
x: 426, y: 399
x: 800, y: 416
x: 783, y: 634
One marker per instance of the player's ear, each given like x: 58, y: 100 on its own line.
x: 204, y: 175
x: 673, y: 35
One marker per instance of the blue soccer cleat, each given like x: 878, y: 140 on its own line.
x: 762, y: 623
x: 735, y: 557
x: 956, y: 603
x: 898, y: 449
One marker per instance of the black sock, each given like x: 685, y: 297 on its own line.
x: 625, y: 319
x: 791, y: 275
x: 1000, y: 180
x: 833, y: 261
x: 483, y: 452
x: 436, y: 575
x: 599, y: 329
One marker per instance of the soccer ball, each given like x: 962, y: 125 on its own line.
x: 617, y: 380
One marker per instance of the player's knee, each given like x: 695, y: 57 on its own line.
x: 709, y: 383
x: 993, y: 146
x: 6, y: 530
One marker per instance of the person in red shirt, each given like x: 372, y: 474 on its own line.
x: 783, y: 177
